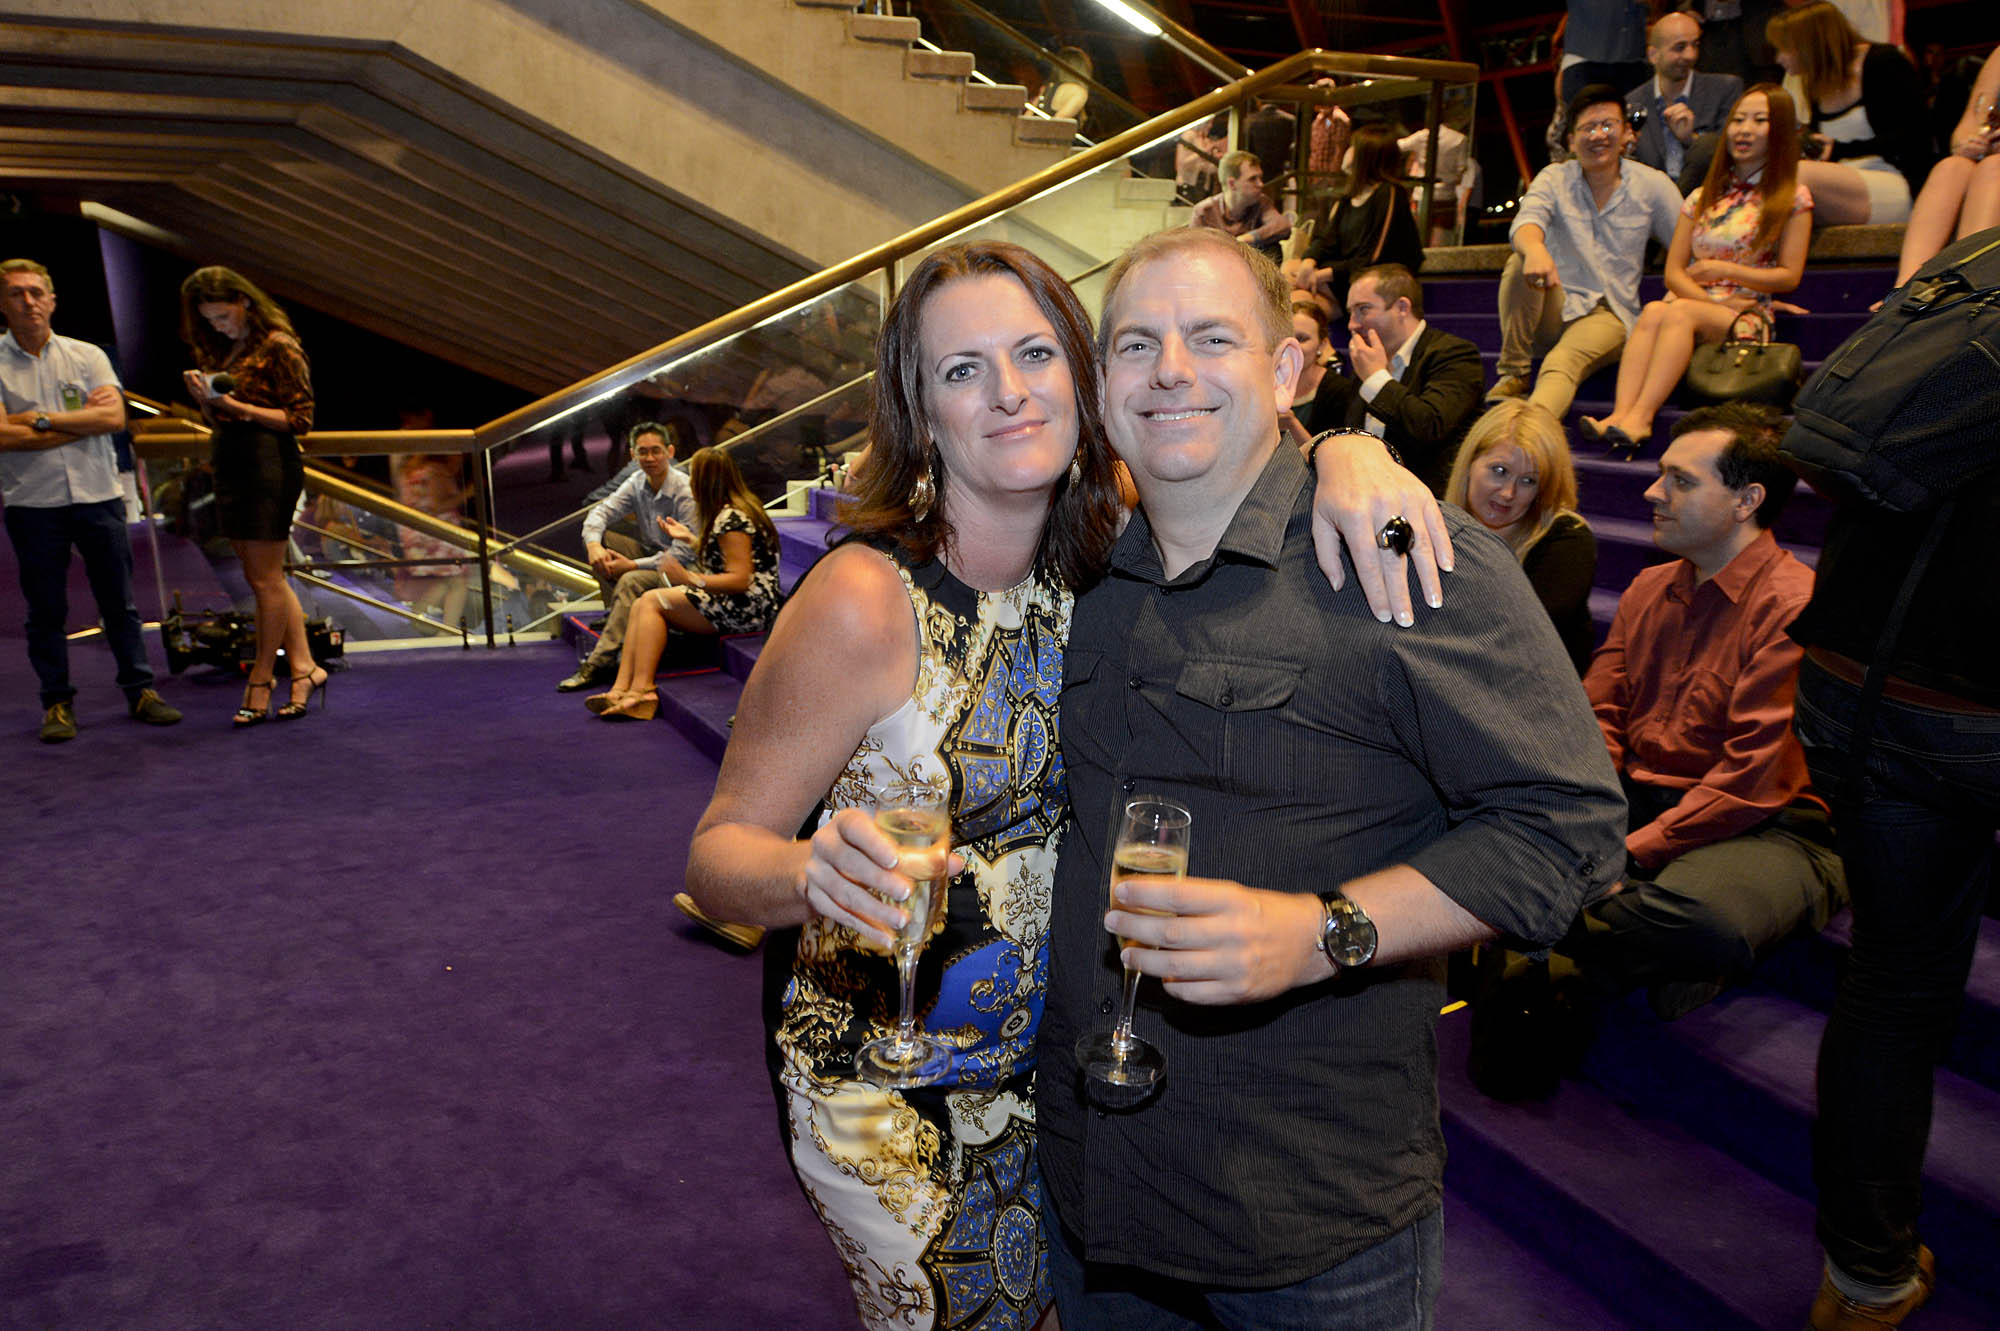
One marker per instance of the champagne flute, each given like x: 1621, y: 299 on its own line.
x: 919, y: 824
x: 1152, y: 842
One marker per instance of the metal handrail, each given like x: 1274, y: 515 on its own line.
x: 617, y: 378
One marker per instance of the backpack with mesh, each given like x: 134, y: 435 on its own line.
x: 1908, y: 409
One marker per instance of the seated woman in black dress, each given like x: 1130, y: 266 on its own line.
x: 1372, y: 223
x: 235, y: 329
x: 1514, y: 474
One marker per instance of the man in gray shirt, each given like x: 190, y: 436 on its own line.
x: 1570, y: 291
x: 628, y: 568
x: 1364, y: 800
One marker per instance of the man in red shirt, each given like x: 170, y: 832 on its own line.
x: 1241, y: 210
x: 1728, y: 849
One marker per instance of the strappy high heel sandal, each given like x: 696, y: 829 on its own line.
x: 317, y: 677
x: 632, y: 707
x: 246, y: 715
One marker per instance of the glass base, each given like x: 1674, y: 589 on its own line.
x: 897, y: 1064
x: 1119, y: 1073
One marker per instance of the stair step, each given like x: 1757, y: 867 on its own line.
x: 922, y: 64
x: 1492, y: 1280
x: 739, y: 654
x: 994, y: 97
x: 894, y: 30
x: 1043, y: 129
x: 700, y: 706
x: 1740, y: 1073
x: 1710, y: 1242
x: 1669, y: 1229
x: 1807, y: 973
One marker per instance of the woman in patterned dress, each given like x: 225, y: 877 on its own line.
x: 928, y: 652
x: 1741, y: 240
x: 732, y: 588
x: 233, y: 327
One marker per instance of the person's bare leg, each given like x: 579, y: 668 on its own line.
x: 1840, y: 195
x: 1685, y: 322
x: 670, y: 607
x: 1982, y: 198
x: 645, y: 638
x: 1934, y: 215
x: 1634, y: 364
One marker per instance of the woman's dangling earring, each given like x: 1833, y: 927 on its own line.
x: 1076, y: 468
x: 922, y: 495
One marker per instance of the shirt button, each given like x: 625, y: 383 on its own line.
x: 1228, y: 699
x: 1106, y: 1007
x: 1128, y: 785
x: 1136, y: 682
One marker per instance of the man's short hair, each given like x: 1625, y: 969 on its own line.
x: 1393, y: 282
x: 1754, y: 431
x: 1594, y: 94
x: 644, y: 428
x: 28, y: 266
x: 1274, y: 309
x: 1232, y: 164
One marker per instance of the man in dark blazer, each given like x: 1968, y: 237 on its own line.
x: 1416, y: 387
x: 1683, y: 110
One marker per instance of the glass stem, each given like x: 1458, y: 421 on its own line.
x: 1121, y: 1036
x: 906, y: 972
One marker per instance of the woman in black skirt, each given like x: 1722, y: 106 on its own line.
x: 237, y: 330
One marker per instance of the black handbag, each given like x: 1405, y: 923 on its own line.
x: 1746, y: 369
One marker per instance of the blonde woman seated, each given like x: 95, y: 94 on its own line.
x: 1514, y: 474
x: 1962, y: 193
x: 732, y: 588
x: 1742, y: 239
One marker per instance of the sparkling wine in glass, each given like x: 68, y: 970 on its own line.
x: 920, y: 827
x: 1120, y: 1068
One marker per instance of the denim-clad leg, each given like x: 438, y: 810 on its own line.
x: 41, y: 548
x: 1392, y: 1286
x: 98, y: 531
x: 1918, y: 868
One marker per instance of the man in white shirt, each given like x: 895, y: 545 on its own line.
x: 1414, y: 387
x: 59, y: 484
x: 1570, y: 293
x: 626, y: 568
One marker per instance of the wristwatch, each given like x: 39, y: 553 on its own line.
x: 41, y: 423
x: 1346, y: 934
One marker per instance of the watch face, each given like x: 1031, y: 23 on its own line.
x: 1350, y: 934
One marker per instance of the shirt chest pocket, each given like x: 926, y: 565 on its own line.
x: 1235, y: 719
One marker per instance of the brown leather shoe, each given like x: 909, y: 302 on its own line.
x: 1834, y: 1311
x: 745, y: 936
x: 1508, y: 385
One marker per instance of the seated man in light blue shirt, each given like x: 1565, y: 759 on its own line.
x: 1570, y: 291
x: 626, y: 568
x: 59, y: 484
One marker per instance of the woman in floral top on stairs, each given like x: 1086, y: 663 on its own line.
x: 1742, y: 239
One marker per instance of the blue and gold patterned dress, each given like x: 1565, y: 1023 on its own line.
x: 931, y: 1195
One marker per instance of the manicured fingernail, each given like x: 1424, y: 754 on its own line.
x: 1406, y: 619
x: 1382, y: 616
x: 1436, y: 602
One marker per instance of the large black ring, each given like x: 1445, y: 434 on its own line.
x: 1396, y: 534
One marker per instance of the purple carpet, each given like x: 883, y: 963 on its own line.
x: 379, y: 1019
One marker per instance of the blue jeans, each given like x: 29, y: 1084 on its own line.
x: 1919, y: 859
x: 42, y: 539
x: 1390, y: 1287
